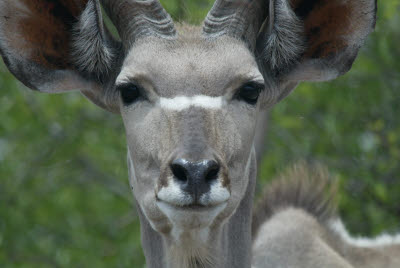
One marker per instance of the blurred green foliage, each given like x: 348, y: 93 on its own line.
x: 64, y: 194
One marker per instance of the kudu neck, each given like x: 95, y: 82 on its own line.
x: 231, y: 243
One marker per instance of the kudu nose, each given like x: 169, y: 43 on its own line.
x: 195, y: 178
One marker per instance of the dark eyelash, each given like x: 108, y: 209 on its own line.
x: 258, y: 85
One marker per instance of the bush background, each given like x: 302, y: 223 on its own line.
x: 64, y: 194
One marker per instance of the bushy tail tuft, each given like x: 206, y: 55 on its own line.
x: 302, y: 186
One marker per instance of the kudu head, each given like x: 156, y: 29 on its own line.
x: 189, y: 100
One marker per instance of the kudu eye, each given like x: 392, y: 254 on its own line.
x: 129, y: 93
x: 250, y: 92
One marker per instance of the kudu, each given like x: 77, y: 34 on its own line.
x: 190, y: 99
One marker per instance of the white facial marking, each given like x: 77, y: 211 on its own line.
x: 173, y: 194
x: 380, y: 241
x: 182, y: 102
x: 217, y: 195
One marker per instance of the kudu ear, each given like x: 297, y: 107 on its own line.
x: 57, y: 46
x: 313, y: 40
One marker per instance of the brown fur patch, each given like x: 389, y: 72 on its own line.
x: 334, y: 20
x: 332, y: 26
x: 40, y: 29
x: 301, y: 186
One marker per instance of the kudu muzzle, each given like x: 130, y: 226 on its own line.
x: 195, y: 174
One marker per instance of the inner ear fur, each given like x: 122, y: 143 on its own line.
x: 331, y: 33
x: 37, y: 39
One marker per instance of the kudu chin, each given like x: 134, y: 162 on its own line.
x: 191, y: 99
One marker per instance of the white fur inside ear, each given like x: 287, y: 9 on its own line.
x: 284, y: 41
x: 91, y: 51
x: 180, y: 103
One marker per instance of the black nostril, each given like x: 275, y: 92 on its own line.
x: 195, y: 177
x: 179, y: 171
x: 213, y: 170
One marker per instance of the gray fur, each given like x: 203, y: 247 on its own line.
x: 229, y: 247
x: 193, y: 133
x: 296, y: 225
x: 301, y: 186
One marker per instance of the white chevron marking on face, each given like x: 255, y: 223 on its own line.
x: 180, y: 103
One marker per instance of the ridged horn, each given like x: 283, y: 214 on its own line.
x: 135, y: 18
x: 241, y: 19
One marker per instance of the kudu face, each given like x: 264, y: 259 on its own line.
x: 190, y: 129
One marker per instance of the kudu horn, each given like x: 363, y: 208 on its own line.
x: 241, y: 19
x: 135, y: 18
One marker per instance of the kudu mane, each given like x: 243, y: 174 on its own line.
x: 302, y: 186
x: 298, y: 212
